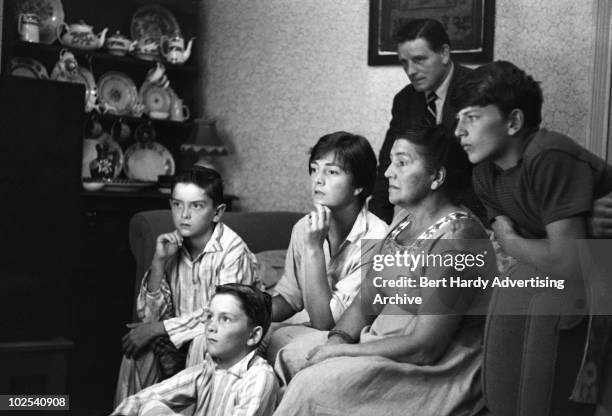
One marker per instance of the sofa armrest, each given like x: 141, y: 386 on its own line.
x: 531, y: 352
x: 143, y: 231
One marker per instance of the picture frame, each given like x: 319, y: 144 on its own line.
x: 469, y: 23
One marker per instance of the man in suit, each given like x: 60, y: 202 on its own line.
x: 423, y: 49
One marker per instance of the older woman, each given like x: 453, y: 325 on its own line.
x: 413, y: 349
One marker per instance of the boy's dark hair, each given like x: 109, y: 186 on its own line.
x: 354, y: 154
x: 205, y: 178
x: 430, y: 30
x: 504, y: 85
x: 440, y: 148
x: 256, y: 304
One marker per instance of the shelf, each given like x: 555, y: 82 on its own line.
x: 143, y: 193
x: 33, y: 49
x: 144, y: 119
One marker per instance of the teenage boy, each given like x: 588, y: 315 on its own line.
x: 188, y: 264
x: 538, y: 186
x: 232, y: 380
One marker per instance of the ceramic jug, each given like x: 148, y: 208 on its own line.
x: 103, y: 166
x: 28, y: 27
x: 178, y: 110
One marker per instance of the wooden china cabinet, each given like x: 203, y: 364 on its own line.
x: 71, y: 244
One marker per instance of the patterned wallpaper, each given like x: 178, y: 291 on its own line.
x: 553, y: 41
x: 281, y: 73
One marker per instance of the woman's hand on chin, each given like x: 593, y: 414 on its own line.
x: 319, y: 221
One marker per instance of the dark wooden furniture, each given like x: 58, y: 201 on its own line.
x: 69, y: 271
x: 41, y: 228
x: 32, y: 367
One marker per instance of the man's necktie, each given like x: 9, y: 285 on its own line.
x: 430, y: 114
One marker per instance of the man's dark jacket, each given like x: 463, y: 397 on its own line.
x: 409, y: 109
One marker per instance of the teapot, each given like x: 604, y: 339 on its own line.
x: 173, y: 48
x: 118, y: 44
x: 80, y: 36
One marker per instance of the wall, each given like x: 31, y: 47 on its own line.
x: 281, y: 73
x: 553, y: 41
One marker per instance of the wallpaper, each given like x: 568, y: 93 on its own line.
x: 553, y: 41
x: 279, y: 74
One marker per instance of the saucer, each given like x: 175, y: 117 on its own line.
x: 155, y: 98
x: 117, y: 92
x: 28, y: 68
x: 158, y: 115
x: 146, y: 161
x: 153, y: 21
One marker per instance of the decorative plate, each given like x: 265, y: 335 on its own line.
x: 156, y: 98
x: 152, y: 22
x: 51, y: 14
x: 146, y: 161
x: 29, y: 68
x: 126, y: 185
x: 83, y: 76
x: 117, y: 92
x: 90, y: 153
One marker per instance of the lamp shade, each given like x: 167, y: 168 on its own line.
x: 204, y: 140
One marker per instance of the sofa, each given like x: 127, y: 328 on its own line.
x: 266, y: 233
x: 530, y: 359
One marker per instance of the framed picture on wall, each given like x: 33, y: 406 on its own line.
x: 469, y: 24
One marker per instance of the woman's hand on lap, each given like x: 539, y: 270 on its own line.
x: 323, y: 352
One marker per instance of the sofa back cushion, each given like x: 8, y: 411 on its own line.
x: 262, y: 231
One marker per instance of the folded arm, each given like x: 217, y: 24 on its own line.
x: 555, y: 255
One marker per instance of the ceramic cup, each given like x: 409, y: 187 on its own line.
x: 158, y: 115
x: 93, y: 128
x: 178, y: 110
x: 144, y: 132
x: 120, y: 130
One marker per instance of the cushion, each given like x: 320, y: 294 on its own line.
x: 271, y: 266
